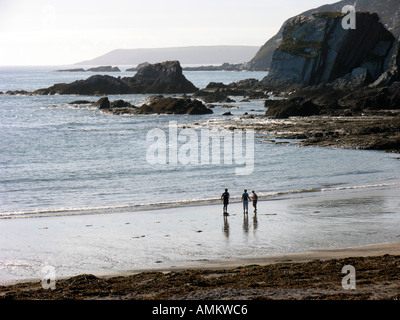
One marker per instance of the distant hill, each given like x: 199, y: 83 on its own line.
x: 387, y: 10
x: 185, y: 55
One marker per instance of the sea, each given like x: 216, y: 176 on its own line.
x: 61, y: 161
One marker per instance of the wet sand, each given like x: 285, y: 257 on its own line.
x: 296, y: 249
x: 314, y: 275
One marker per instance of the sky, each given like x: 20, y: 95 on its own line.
x: 62, y: 32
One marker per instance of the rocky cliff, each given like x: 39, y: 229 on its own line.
x: 387, y: 10
x: 319, y: 50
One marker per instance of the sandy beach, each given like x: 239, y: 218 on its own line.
x: 293, y: 248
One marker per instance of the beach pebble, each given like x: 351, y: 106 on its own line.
x: 137, y: 237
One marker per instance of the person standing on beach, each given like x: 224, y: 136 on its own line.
x: 245, y: 199
x: 225, y: 199
x: 254, y: 197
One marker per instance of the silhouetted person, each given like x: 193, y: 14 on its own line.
x: 254, y: 197
x: 245, y: 199
x: 225, y: 199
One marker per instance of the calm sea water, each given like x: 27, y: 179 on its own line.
x: 58, y: 158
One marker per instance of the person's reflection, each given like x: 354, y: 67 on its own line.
x: 226, y: 226
x: 255, y: 222
x: 245, y: 223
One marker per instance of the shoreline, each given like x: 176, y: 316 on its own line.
x: 315, y: 275
x: 302, y: 257
x: 125, y: 243
x: 248, y: 261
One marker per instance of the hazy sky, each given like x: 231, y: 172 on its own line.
x: 46, y: 32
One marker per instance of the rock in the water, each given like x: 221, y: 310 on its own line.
x: 163, y: 77
x: 227, y: 113
x: 295, y: 107
x: 121, y: 104
x: 94, y: 85
x: 213, y: 97
x: 103, y: 103
x: 174, y: 106
x: 81, y: 102
x: 104, y: 69
x: 166, y: 77
x: 116, y: 107
x: 71, y: 70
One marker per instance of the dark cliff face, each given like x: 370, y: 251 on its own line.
x: 387, y: 10
x: 318, y: 50
x: 392, y: 73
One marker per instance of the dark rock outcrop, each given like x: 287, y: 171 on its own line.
x: 94, y: 85
x: 219, y: 92
x: 214, y: 97
x: 114, y: 107
x: 121, y: 104
x: 163, y: 77
x: 103, y: 103
x: 383, y: 98
x: 174, y: 106
x: 295, y: 107
x: 387, y: 10
x: 318, y: 50
x: 333, y: 101
x: 392, y: 73
x: 140, y: 65
x: 80, y: 102
x: 95, y: 69
x: 71, y: 70
x: 104, y: 69
x: 223, y: 67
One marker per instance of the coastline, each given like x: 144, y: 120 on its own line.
x: 315, y: 275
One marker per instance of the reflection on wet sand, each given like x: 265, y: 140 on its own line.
x: 245, y: 224
x: 226, y: 226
